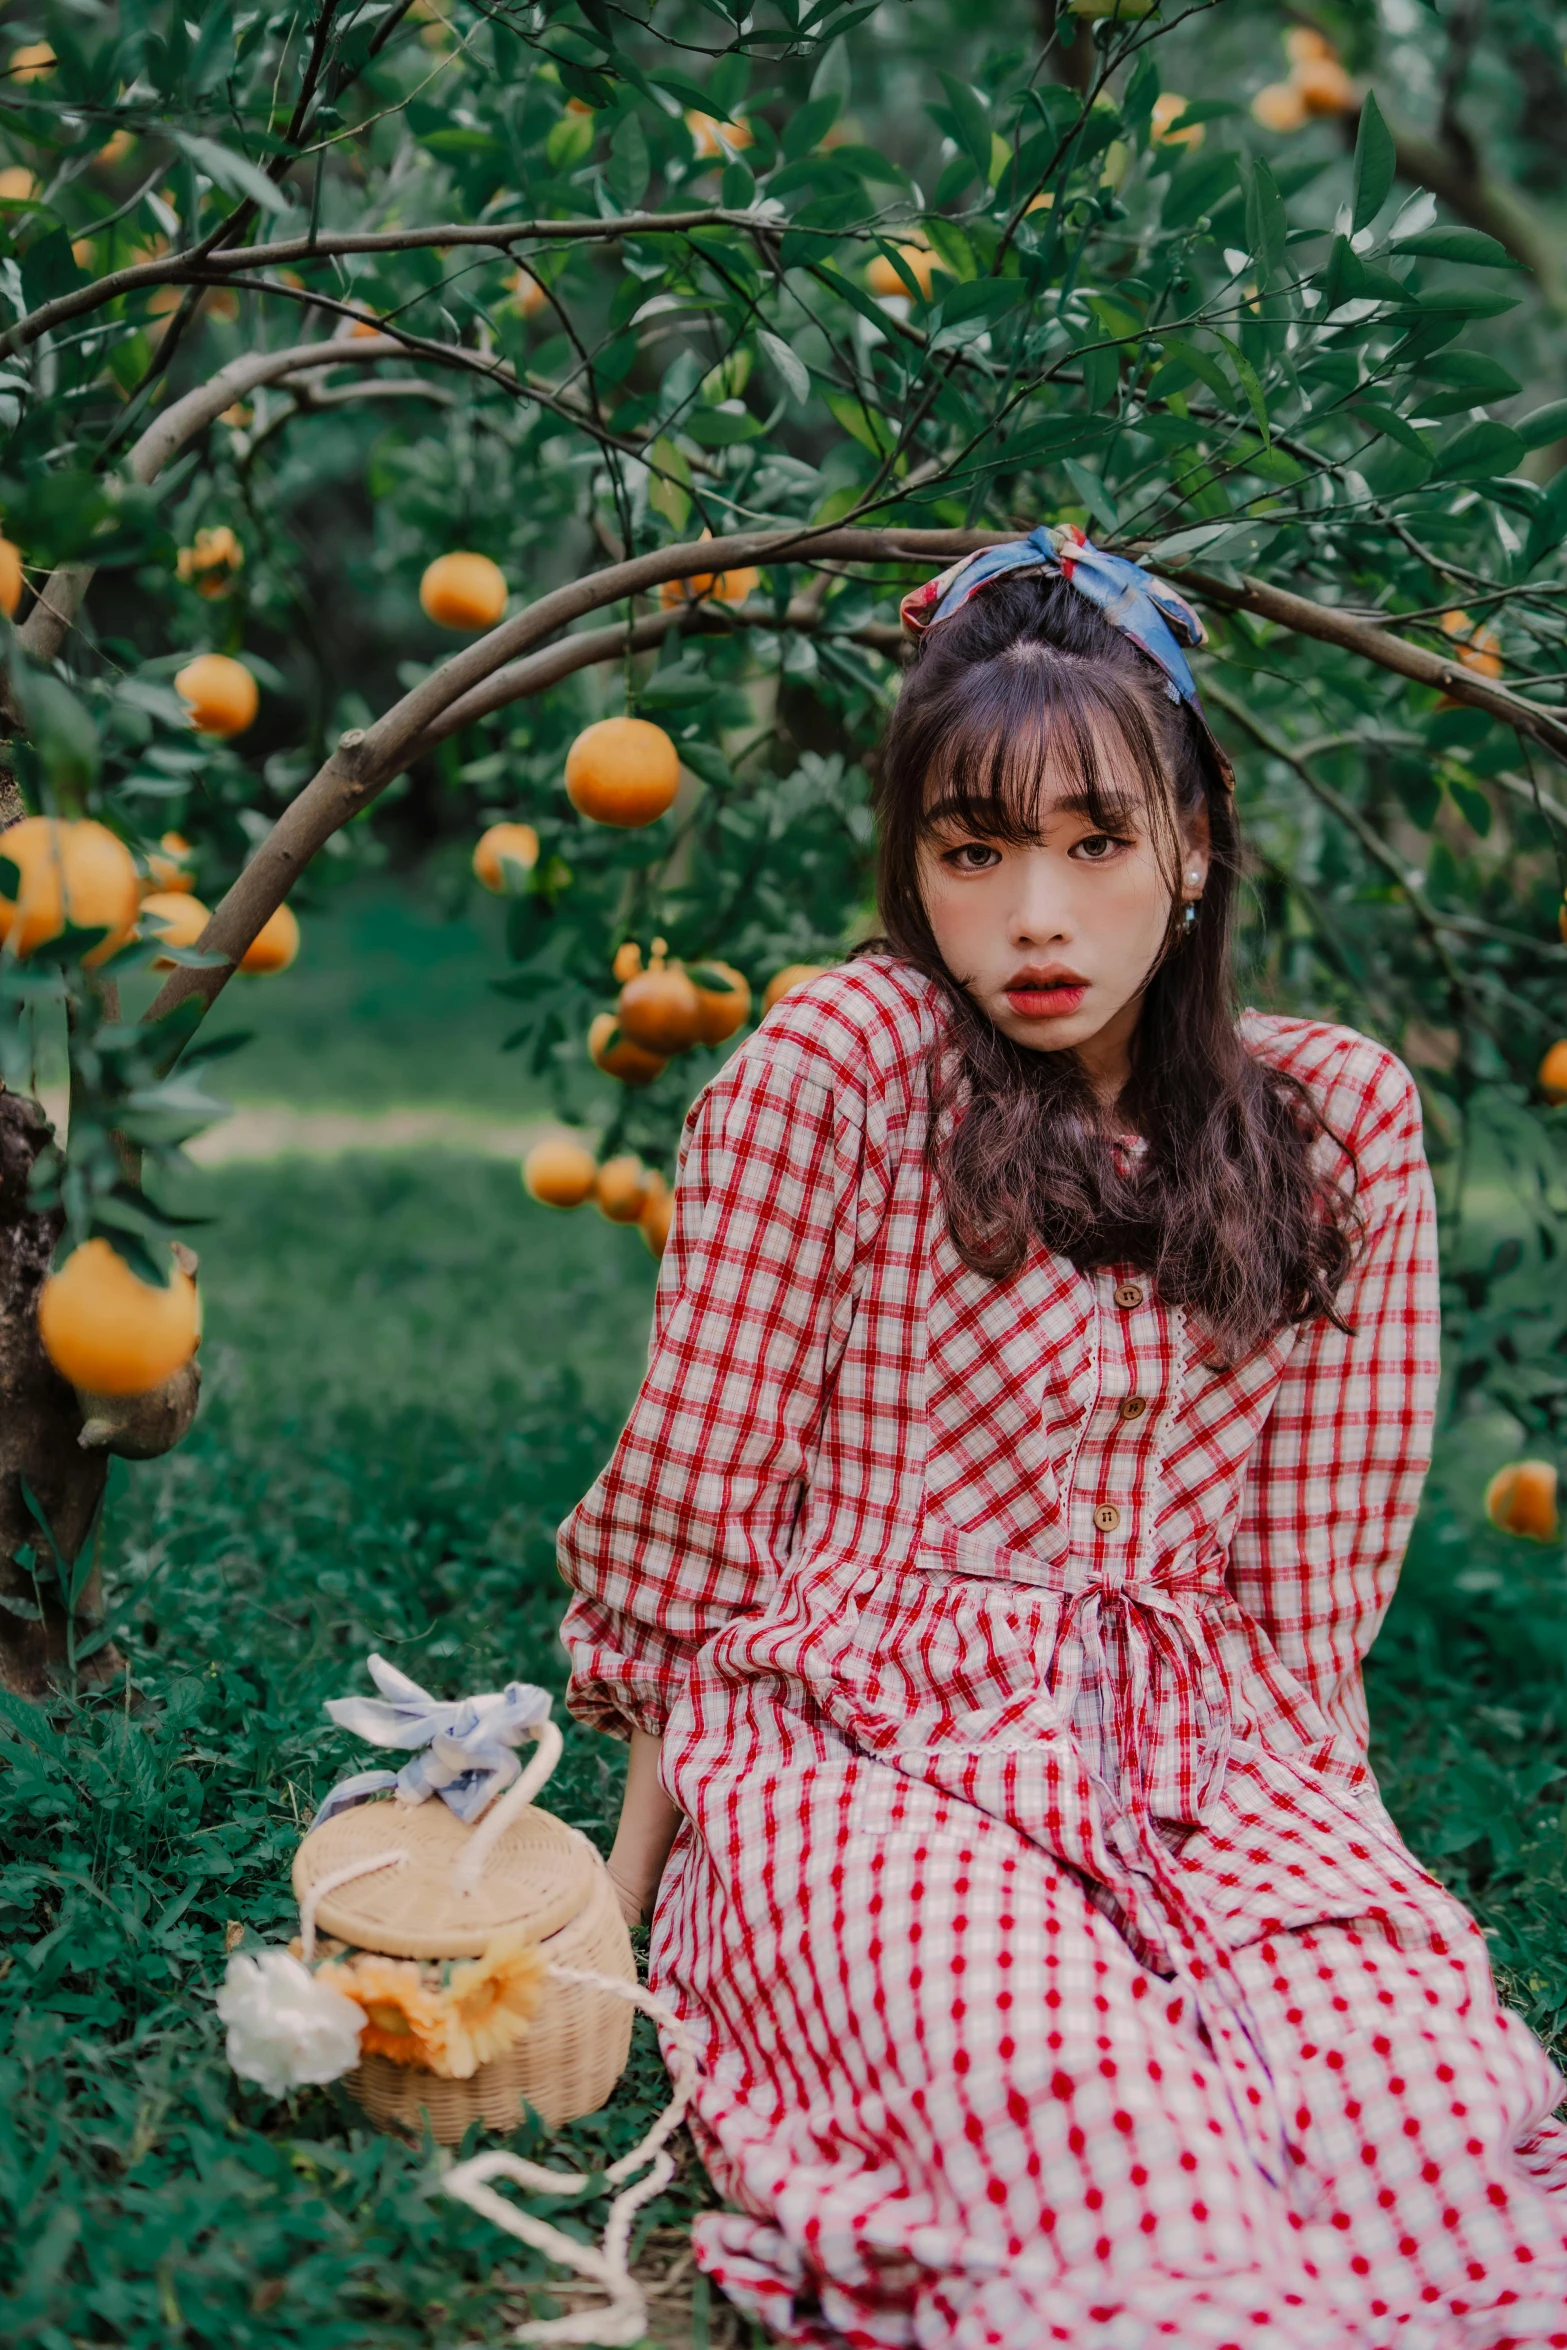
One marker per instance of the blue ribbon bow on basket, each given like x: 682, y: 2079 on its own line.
x: 462, y: 1750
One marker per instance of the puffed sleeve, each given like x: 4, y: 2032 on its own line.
x: 1334, y: 1481
x: 690, y: 1522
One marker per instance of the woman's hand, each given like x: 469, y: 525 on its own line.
x: 648, y: 1821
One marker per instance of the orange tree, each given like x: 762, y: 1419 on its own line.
x: 654, y: 363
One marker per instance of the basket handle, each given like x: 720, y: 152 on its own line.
x: 515, y: 1801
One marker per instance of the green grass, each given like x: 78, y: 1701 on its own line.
x: 388, y: 1003
x: 412, y: 1372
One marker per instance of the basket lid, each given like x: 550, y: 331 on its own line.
x: 539, y: 1876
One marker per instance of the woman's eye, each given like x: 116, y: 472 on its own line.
x: 974, y: 856
x: 1096, y: 847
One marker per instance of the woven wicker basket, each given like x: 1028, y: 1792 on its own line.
x: 539, y: 1875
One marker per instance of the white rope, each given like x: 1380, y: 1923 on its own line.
x: 515, y: 1801
x: 393, y: 1859
x: 623, y: 2320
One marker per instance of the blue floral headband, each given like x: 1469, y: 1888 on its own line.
x: 1147, y: 610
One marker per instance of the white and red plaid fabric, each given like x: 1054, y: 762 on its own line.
x: 1058, y: 1973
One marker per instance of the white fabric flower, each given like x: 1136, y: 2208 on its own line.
x: 285, y: 2026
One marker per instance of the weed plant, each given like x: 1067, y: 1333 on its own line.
x: 411, y: 1373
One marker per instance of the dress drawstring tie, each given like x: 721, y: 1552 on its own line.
x: 1164, y: 1621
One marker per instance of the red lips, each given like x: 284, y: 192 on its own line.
x: 1046, y: 993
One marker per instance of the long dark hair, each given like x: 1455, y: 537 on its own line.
x: 1229, y: 1208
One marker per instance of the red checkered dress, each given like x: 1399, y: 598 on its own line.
x: 1058, y: 1973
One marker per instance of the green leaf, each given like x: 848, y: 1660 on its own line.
x: 630, y: 165
x: 570, y: 140
x: 807, y: 126
x: 1543, y: 425
x: 1549, y: 527
x: 669, y: 486
x: 49, y: 269
x: 1381, y: 419
x: 1250, y: 383
x: 1344, y: 278
x: 972, y: 118
x: 1480, y: 449
x: 1201, y: 364
x: 951, y: 247
x: 1457, y: 244
x: 1093, y: 493
x: 1376, y: 162
x: 863, y: 424
x: 722, y: 428
x: 1266, y: 222
x: 788, y: 364
x: 236, y: 174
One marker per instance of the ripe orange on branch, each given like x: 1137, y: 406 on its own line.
x: 560, y: 1173
x: 1553, y: 1069
x: 659, y: 1009
x: 222, y: 695
x: 211, y: 561
x: 11, y: 578
x: 623, y: 771
x: 1481, y: 649
x: 622, y: 1189
x: 275, y: 944
x: 723, y: 587
x: 174, y: 918
x: 463, y: 590
x: 618, y: 1057
x: 1165, y: 122
x: 1521, y: 1499
x: 169, y: 864
x: 503, y: 845
x: 920, y: 262
x: 710, y: 136
x: 81, y: 874
x: 724, y: 998
x: 107, y: 1330
x: 785, y: 982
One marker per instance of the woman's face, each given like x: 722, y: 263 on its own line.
x: 1055, y: 937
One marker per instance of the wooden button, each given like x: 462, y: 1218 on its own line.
x: 1107, y: 1517
x: 1134, y: 1407
x: 1128, y: 1295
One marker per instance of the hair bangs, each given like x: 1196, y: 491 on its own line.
x: 1041, y: 732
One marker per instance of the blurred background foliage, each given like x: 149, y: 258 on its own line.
x: 1268, y: 334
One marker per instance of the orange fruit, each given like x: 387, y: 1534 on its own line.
x: 115, y: 148
x: 560, y: 1173
x: 222, y: 694
x: 622, y: 771
x: 1553, y: 1069
x: 173, y: 917
x: 1521, y: 1499
x: 107, y: 1330
x: 724, y: 587
x: 527, y: 294
x: 81, y: 873
x: 32, y: 62
x: 1279, y: 107
x: 660, y: 1010
x: 628, y: 961
x: 1303, y: 43
x: 212, y: 560
x: 275, y: 944
x: 463, y: 591
x: 1167, y: 111
x: 1561, y: 918
x: 618, y: 1057
x: 658, y: 1212
x: 710, y: 135
x: 369, y: 324
x: 168, y: 865
x: 1481, y: 651
x: 1323, y: 86
x: 721, y: 1010
x: 920, y: 261
x: 10, y: 577
x: 785, y: 982
x: 17, y: 184
x: 503, y: 845
x: 622, y: 1189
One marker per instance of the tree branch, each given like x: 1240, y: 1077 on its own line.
x: 366, y: 759
x: 60, y: 598
x: 213, y: 266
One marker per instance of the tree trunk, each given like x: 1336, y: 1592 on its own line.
x: 40, y: 1433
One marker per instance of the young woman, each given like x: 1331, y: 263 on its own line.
x: 1039, y: 1398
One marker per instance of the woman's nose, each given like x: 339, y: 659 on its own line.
x: 1039, y: 908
